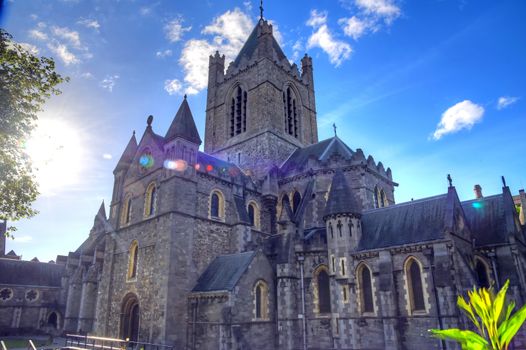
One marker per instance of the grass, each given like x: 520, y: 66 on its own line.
x: 23, y: 343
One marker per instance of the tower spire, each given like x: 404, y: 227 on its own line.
x: 261, y: 9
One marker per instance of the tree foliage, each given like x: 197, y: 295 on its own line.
x: 492, y: 317
x: 26, y: 82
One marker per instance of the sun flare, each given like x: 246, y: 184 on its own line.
x: 56, y: 155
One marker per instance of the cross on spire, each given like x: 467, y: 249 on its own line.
x: 261, y: 9
x: 334, y: 127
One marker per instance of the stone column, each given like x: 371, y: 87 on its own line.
x: 73, y: 301
x: 88, y: 300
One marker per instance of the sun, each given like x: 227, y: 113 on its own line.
x: 56, y: 154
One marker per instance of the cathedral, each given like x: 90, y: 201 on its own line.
x: 270, y: 238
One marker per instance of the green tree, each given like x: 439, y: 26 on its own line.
x: 26, y: 82
x: 491, y: 315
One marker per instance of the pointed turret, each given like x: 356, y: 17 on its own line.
x: 183, y: 125
x: 128, y: 154
x: 99, y: 222
x: 341, y: 200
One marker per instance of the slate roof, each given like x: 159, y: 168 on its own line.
x: 30, y: 273
x: 250, y: 46
x: 220, y: 167
x: 128, y: 154
x: 341, y: 200
x: 416, y: 221
x: 321, y: 151
x: 183, y: 125
x: 224, y: 272
x: 486, y: 219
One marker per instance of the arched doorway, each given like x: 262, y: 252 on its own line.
x: 52, y: 320
x: 130, y: 316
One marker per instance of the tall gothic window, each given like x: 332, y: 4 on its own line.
x: 217, y: 205
x: 296, y: 200
x: 366, y: 288
x: 261, y: 300
x: 291, y: 112
x: 149, y: 200
x: 126, y: 210
x: 415, y: 286
x: 238, y: 112
x: 324, y: 291
x: 133, y: 253
x: 253, y: 214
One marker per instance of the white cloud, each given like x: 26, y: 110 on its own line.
x: 353, y: 27
x: 463, y: 115
x: 506, y: 101
x: 63, y: 53
x: 145, y: 11
x: 33, y: 16
x: 385, y: 9
x: 175, y: 30
x: 22, y: 239
x: 317, y: 18
x: 109, y: 82
x: 194, y: 59
x: 87, y: 75
x: 32, y: 49
x: 173, y: 86
x: 229, y: 31
x: 337, y: 50
x: 163, y: 54
x: 37, y: 34
x: 90, y: 23
x: 67, y: 34
x: 107, y: 156
x: 371, y: 17
x: 248, y: 5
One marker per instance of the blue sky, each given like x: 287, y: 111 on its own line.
x: 428, y: 87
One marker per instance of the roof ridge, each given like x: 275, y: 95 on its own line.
x: 403, y: 204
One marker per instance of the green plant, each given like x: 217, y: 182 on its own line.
x: 491, y: 315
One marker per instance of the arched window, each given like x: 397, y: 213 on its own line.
x: 482, y: 273
x: 238, y: 112
x: 323, y: 290
x: 253, y: 214
x: 290, y: 112
x: 217, y: 205
x: 366, y: 288
x: 261, y: 300
x: 376, y: 200
x: 296, y: 200
x: 284, y: 202
x: 133, y: 254
x: 150, y: 199
x: 383, y: 199
x: 126, y: 210
x: 415, y: 286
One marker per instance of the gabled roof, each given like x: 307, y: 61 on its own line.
x: 224, y: 272
x: 321, y: 151
x: 30, y: 273
x: 183, y: 125
x: 255, y: 41
x: 411, y: 222
x: 219, y: 166
x: 128, y: 154
x: 341, y: 200
x: 486, y: 219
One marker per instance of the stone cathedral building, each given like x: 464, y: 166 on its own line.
x: 270, y: 238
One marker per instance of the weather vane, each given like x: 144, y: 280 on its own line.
x: 261, y: 9
x: 334, y: 127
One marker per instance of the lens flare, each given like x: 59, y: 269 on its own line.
x: 477, y: 205
x: 177, y: 165
x: 209, y: 168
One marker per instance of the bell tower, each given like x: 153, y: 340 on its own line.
x: 262, y: 108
